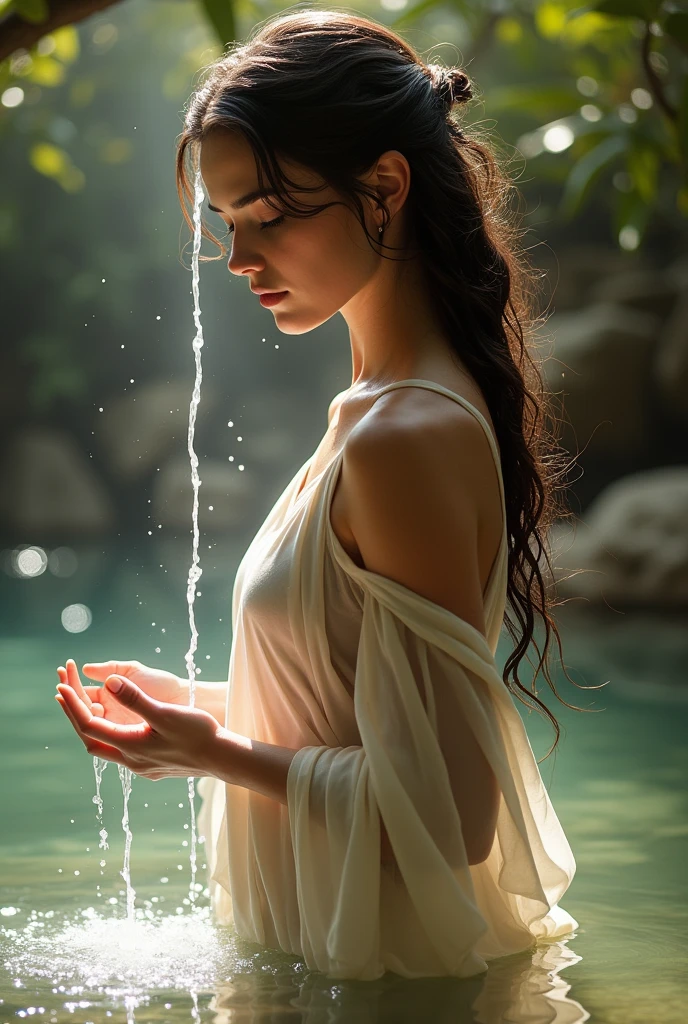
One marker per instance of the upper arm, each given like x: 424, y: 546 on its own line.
x: 414, y: 516
x: 413, y: 509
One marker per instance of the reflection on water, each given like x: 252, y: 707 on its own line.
x: 67, y: 951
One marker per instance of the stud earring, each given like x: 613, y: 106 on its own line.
x: 380, y: 230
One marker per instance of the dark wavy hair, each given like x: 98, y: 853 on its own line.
x: 332, y: 91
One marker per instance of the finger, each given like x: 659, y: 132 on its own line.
x: 63, y: 704
x: 132, y: 696
x: 100, y: 670
x: 124, y: 737
x: 96, y: 748
x: 74, y: 680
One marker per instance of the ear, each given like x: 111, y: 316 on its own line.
x: 391, y: 178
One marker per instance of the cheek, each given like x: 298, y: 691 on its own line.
x: 331, y: 255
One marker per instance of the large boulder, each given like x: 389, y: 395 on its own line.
x: 601, y: 361
x: 631, y: 545
x: 671, y: 367
x: 51, y: 488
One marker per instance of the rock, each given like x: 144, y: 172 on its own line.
x: 671, y: 366
x: 230, y: 491
x: 50, y: 487
x: 137, y: 430
x: 601, y: 360
x: 631, y: 545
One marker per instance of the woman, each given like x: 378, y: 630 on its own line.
x: 371, y: 799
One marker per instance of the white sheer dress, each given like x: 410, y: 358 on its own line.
x: 359, y: 673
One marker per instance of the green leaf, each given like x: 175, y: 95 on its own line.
x: 415, y: 12
x: 585, y: 171
x: 643, y: 167
x: 631, y: 216
x: 220, y: 14
x: 34, y: 11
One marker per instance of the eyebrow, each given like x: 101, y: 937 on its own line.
x: 246, y: 200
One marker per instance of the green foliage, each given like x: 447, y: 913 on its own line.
x: 220, y: 14
x: 34, y: 11
x: 592, y: 96
x: 605, y: 98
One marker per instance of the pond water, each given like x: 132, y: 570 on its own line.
x: 67, y: 952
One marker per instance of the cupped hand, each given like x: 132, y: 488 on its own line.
x: 168, y: 740
x: 156, y: 683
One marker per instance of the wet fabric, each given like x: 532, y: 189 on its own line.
x: 365, y: 678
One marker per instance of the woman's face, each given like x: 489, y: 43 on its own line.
x: 321, y: 262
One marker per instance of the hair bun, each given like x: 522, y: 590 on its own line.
x: 452, y: 85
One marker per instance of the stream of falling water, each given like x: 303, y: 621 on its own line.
x: 195, y: 569
x: 125, y: 777
x: 195, y: 572
x: 99, y: 766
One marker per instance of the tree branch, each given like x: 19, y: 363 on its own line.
x: 16, y: 34
x: 653, y: 78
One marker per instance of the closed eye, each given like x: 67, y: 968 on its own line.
x: 264, y: 224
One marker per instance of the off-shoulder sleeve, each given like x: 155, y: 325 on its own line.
x: 420, y: 668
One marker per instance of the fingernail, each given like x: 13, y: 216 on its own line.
x: 113, y: 683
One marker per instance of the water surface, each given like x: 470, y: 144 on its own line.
x: 617, y: 783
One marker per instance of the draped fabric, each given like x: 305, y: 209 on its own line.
x: 374, y: 686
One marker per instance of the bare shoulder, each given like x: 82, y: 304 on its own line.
x: 412, y: 478
x: 436, y: 425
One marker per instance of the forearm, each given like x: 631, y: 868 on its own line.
x: 263, y: 767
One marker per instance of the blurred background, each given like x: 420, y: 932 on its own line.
x: 589, y: 107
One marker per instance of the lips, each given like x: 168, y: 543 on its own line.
x: 271, y: 298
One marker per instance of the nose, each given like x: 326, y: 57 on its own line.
x: 243, y: 261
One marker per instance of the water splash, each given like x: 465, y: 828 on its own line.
x: 126, y: 775
x: 195, y: 570
x: 103, y: 959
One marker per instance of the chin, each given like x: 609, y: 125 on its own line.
x: 287, y: 323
